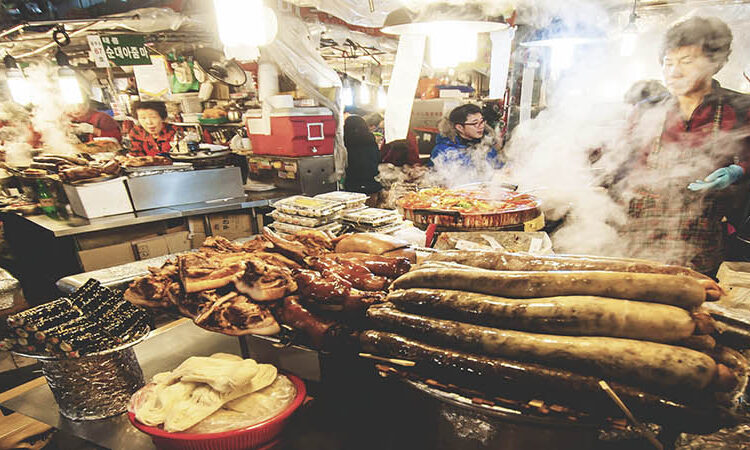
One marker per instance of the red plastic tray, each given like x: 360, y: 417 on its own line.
x: 245, y: 438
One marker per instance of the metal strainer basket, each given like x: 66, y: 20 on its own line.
x: 94, y: 386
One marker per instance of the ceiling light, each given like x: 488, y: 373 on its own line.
x: 630, y: 33
x: 437, y: 18
x: 18, y: 85
x: 67, y: 82
x: 244, y: 25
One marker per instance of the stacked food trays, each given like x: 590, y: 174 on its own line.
x: 301, y: 213
x: 352, y: 201
x: 374, y: 220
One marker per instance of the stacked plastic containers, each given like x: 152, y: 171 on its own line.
x: 374, y: 220
x: 301, y: 213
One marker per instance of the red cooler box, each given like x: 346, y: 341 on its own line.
x: 294, y: 132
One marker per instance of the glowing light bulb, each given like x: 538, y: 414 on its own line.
x: 69, y: 87
x: 627, y: 43
x: 19, y: 86
x: 243, y: 26
x: 452, y: 45
x: 364, y: 94
x: 347, y: 96
x: 382, y: 98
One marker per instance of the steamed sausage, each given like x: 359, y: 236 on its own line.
x: 497, y: 260
x: 674, y: 290
x: 637, y: 362
x: 512, y: 379
x: 571, y: 315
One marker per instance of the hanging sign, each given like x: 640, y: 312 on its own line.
x: 120, y: 50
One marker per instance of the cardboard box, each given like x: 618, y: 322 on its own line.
x: 151, y: 248
x: 196, y: 224
x: 104, y: 198
x: 427, y: 113
x: 103, y: 257
x: 231, y: 226
x: 196, y: 239
x: 178, y: 242
x: 104, y: 238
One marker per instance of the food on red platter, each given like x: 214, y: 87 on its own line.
x: 468, y: 209
x: 212, y: 394
x: 467, y: 202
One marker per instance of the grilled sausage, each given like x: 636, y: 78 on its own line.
x: 321, y: 332
x: 673, y: 290
x: 571, y: 315
x: 498, y: 260
x: 385, y: 266
x: 519, y: 380
x: 637, y: 362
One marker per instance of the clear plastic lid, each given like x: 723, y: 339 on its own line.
x: 349, y: 199
x: 308, y: 206
x: 301, y: 220
x: 288, y: 228
x: 373, y: 217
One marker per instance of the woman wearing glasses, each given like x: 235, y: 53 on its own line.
x: 464, y: 142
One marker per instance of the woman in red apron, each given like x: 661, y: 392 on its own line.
x: 686, y: 178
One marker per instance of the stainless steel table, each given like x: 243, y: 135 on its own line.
x: 78, y: 225
x: 162, y: 352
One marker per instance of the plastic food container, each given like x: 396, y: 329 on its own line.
x: 372, y: 217
x: 310, y: 222
x: 308, y: 206
x: 331, y: 228
x: 351, y: 200
x: 245, y: 438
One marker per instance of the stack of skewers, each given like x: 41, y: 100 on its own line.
x: 93, y: 319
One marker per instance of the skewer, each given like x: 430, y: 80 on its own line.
x: 400, y: 362
x: 642, y: 428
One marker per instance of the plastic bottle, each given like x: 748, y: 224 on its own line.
x: 46, y: 200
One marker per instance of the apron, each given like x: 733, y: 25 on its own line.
x: 671, y: 224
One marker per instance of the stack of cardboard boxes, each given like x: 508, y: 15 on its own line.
x: 102, y: 249
x: 230, y: 226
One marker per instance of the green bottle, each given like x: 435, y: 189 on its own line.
x: 46, y: 201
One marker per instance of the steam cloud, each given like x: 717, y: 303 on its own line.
x: 549, y: 154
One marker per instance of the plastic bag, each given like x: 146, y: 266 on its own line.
x: 183, y: 79
x: 296, y: 55
x: 149, y: 20
x: 263, y: 405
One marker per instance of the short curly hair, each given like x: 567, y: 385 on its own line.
x: 709, y: 33
x: 159, y: 107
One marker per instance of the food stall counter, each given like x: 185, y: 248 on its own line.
x: 78, y: 225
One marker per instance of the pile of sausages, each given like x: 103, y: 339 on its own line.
x: 553, y: 326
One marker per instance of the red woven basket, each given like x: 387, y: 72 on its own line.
x: 251, y: 437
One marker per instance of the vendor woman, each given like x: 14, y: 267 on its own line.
x: 151, y: 136
x: 686, y: 175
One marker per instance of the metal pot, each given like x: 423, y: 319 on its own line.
x: 234, y: 114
